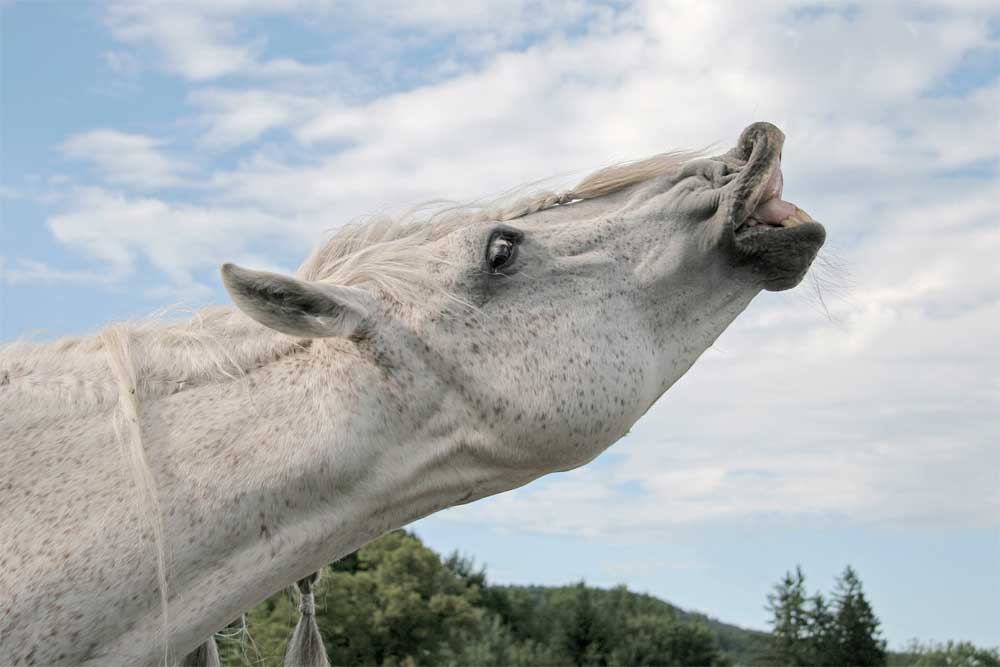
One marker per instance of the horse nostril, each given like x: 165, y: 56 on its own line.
x: 760, y: 133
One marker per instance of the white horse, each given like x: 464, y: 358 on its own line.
x: 158, y: 479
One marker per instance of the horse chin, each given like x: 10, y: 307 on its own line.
x: 778, y: 258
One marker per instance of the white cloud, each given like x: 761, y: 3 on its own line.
x: 32, y: 271
x: 121, y: 62
x: 655, y: 81
x: 479, y: 26
x: 177, y: 240
x: 130, y: 159
x: 192, y: 45
x: 204, y: 41
x: 886, y: 413
x: 200, y: 41
x: 235, y: 117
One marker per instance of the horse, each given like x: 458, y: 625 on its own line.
x: 161, y: 477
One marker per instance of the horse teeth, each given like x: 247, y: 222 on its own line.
x: 798, y: 218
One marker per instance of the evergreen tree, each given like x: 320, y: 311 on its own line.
x: 950, y: 654
x: 465, y: 568
x: 821, y: 633
x: 789, y: 621
x: 857, y: 627
x: 660, y: 640
x: 585, y: 632
x: 496, y: 646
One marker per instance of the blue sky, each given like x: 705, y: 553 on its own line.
x: 144, y: 144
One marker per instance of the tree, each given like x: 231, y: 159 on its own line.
x: 395, y: 602
x: 789, y: 621
x: 496, y: 646
x: 950, y: 654
x: 857, y: 628
x: 659, y: 639
x: 585, y: 632
x: 821, y: 633
x: 401, y: 606
x: 465, y: 568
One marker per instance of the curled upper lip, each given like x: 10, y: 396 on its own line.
x: 760, y: 179
x: 773, y: 239
x: 774, y: 185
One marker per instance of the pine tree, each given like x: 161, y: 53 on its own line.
x: 585, y: 634
x: 821, y: 632
x: 789, y: 621
x: 857, y: 628
x: 662, y: 640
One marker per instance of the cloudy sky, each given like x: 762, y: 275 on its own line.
x: 854, y: 420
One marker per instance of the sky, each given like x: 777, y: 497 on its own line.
x: 853, y: 420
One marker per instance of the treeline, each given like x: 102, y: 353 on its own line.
x: 396, y: 602
x: 842, y: 629
x: 948, y: 654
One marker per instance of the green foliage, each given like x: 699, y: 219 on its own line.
x: 465, y: 568
x: 809, y: 631
x: 856, y: 626
x: 821, y: 629
x: 585, y: 637
x: 496, y: 646
x: 268, y: 627
x: 951, y: 654
x: 651, y: 639
x: 401, y: 606
x: 579, y: 625
x: 396, y: 602
x: 789, y: 624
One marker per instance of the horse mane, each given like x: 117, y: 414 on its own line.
x: 164, y: 355
x: 390, y: 253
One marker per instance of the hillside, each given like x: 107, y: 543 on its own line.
x: 738, y: 645
x: 396, y: 602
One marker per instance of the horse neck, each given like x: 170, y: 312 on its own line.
x: 260, y: 480
x: 304, y: 462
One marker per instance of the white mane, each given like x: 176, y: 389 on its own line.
x: 72, y: 375
x: 389, y: 254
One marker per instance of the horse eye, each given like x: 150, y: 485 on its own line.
x: 501, y: 252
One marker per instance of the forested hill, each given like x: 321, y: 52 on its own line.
x: 620, y: 607
x: 396, y: 602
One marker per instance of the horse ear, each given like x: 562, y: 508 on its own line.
x: 296, y: 307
